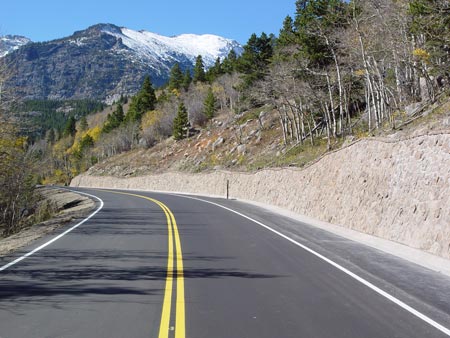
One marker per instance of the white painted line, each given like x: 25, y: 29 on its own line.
x: 4, y: 267
x: 339, y: 267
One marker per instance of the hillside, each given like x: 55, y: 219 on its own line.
x: 252, y: 141
x: 248, y: 141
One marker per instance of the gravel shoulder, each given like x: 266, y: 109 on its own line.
x: 68, y: 205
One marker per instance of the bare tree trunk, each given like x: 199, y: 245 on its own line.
x: 340, y: 87
x: 326, y: 115
x: 333, y: 115
x: 283, y: 128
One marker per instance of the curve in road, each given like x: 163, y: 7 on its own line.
x: 124, y: 274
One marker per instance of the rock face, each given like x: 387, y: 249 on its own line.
x: 394, y: 189
x: 105, y: 61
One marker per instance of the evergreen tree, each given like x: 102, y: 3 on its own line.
x: 123, y: 99
x: 217, y: 67
x: 114, y: 120
x: 265, y: 48
x: 133, y: 114
x: 187, y: 79
x: 287, y: 34
x: 210, y: 104
x: 199, y: 70
x: 430, y: 23
x: 142, y: 102
x: 181, y: 123
x: 119, y: 114
x: 229, y: 64
x: 70, y: 127
x: 255, y: 58
x: 51, y: 136
x: 147, y: 96
x: 83, y: 124
x: 176, y: 77
x: 215, y: 71
x: 314, y: 20
x: 86, y: 142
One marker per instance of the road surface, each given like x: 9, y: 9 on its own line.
x: 161, y: 265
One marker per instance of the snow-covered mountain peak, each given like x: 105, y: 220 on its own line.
x: 148, y: 45
x: 9, y: 43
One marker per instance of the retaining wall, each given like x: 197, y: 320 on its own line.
x: 394, y: 189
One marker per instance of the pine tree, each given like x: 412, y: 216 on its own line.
x: 229, y: 64
x: 147, y: 96
x: 70, y: 128
x: 210, y: 104
x: 86, y: 142
x: 187, y: 79
x: 50, y: 136
x: 217, y: 67
x: 142, y: 102
x: 181, y: 123
x: 430, y: 23
x: 215, y: 71
x: 83, y: 124
x: 199, y: 70
x: 265, y: 48
x: 132, y: 113
x: 123, y: 99
x: 119, y: 114
x: 176, y: 77
x: 314, y: 20
x: 255, y: 58
x: 114, y: 120
x: 287, y: 33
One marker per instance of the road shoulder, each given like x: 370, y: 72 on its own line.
x: 69, y: 206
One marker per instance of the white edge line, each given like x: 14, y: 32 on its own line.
x: 393, y: 299
x: 4, y: 267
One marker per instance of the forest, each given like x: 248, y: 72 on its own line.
x: 334, y: 68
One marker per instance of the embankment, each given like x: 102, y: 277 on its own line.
x: 63, y: 206
x: 396, y: 189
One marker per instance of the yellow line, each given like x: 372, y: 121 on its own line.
x: 173, y: 235
x: 180, y: 325
x: 167, y: 303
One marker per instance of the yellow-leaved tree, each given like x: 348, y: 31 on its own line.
x: 16, y: 180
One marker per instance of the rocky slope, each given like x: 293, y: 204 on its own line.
x: 105, y: 61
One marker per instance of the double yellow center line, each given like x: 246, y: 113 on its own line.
x: 174, y: 236
x: 174, y: 271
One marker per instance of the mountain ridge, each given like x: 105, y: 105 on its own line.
x: 105, y: 61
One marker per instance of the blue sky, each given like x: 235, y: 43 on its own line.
x: 236, y: 19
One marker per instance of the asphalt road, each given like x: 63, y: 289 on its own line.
x: 171, y: 266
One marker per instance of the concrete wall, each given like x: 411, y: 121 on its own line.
x: 394, y: 189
